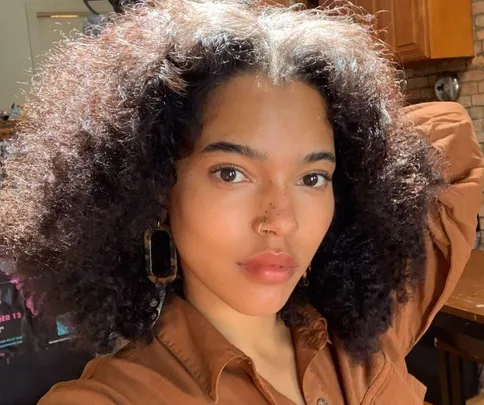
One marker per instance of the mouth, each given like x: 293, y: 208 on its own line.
x: 270, y: 267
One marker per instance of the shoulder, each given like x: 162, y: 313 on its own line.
x: 435, y: 111
x: 105, y: 381
x: 80, y: 392
x: 148, y: 375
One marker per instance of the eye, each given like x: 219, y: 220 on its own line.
x: 316, y: 179
x: 229, y: 174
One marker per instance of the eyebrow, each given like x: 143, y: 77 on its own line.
x: 230, y: 147
x: 318, y: 156
x: 247, y: 151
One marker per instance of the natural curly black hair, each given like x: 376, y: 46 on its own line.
x: 111, y: 114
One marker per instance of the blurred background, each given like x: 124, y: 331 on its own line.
x: 438, y: 46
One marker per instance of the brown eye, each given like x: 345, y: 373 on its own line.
x: 228, y: 175
x: 314, y: 180
x: 311, y: 179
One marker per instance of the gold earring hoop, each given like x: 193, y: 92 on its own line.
x: 262, y: 231
x: 160, y: 255
x: 305, y: 281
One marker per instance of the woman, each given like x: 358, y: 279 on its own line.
x: 288, y: 204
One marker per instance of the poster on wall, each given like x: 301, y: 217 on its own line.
x: 11, y: 315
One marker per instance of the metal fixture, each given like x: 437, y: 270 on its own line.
x: 447, y: 87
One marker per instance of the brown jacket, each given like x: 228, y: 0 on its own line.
x: 190, y: 363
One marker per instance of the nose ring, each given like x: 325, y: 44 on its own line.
x: 262, y: 231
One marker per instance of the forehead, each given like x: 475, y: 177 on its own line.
x: 252, y: 109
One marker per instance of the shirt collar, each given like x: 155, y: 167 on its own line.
x: 313, y: 334
x: 205, y: 352
x: 196, y: 343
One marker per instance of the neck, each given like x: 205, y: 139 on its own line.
x: 243, y: 331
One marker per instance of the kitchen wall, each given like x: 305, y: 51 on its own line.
x: 24, y: 36
x: 15, y: 59
x: 421, y: 77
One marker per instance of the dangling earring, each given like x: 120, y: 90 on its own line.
x: 305, y: 281
x: 160, y: 255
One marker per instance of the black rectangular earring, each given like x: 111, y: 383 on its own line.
x: 160, y: 255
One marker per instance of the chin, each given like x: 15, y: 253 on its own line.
x: 259, y: 303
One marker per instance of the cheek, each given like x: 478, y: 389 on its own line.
x: 208, y: 224
x: 314, y: 220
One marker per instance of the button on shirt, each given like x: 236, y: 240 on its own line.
x: 191, y: 363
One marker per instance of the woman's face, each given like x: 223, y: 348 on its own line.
x: 266, y: 153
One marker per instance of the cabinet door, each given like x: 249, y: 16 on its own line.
x: 372, y: 7
x: 405, y: 27
x: 286, y: 3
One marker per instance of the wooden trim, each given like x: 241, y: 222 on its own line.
x: 443, y: 377
x: 7, y: 129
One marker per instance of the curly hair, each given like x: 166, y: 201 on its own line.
x: 110, y: 115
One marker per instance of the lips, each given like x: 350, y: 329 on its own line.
x: 269, y: 258
x: 270, y: 267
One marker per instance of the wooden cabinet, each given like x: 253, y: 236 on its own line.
x: 407, y: 28
x: 429, y: 29
x: 6, y: 130
x: 423, y: 29
x: 289, y: 2
x: 370, y: 6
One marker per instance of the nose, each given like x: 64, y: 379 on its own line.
x: 279, y: 217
